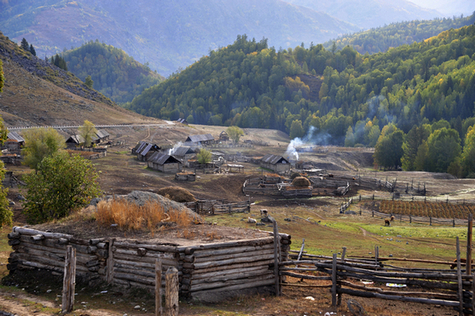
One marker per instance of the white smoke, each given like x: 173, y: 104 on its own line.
x: 171, y: 151
x: 313, y: 137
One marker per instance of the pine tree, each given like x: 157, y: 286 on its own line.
x: 32, y: 50
x: 25, y: 45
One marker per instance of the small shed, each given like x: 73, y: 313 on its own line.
x: 223, y: 137
x: 15, y: 136
x: 74, y: 141
x: 204, y: 139
x: 145, y: 150
x: 275, y: 163
x: 12, y: 146
x: 182, y: 121
x: 164, y: 163
x: 102, y: 136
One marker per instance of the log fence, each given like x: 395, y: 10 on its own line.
x: 213, y: 207
x: 201, y: 270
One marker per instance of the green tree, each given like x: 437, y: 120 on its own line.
x: 88, y: 132
x: 443, y: 147
x: 414, y: 139
x: 64, y: 183
x: 24, y: 44
x: 204, y: 156
x: 32, y: 50
x: 88, y: 81
x: 468, y: 154
x: 6, y: 214
x: 234, y: 133
x: 349, y: 137
x: 40, y: 143
x: 296, y: 129
x: 388, y: 150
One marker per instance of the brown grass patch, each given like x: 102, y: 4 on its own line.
x: 177, y: 194
x: 130, y: 216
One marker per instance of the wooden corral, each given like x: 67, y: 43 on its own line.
x: 207, y: 272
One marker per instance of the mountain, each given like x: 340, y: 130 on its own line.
x: 396, y: 34
x: 367, y: 14
x: 114, y: 73
x: 296, y: 90
x: 166, y: 34
x: 37, y: 93
x: 448, y: 7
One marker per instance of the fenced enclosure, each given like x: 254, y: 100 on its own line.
x: 374, y: 277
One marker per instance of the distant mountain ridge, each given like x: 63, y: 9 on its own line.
x: 368, y: 14
x: 167, y: 34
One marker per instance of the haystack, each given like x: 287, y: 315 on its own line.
x: 301, y: 182
x: 177, y: 194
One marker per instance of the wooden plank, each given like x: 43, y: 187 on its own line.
x: 276, y: 258
x: 69, y: 280
x: 110, y: 263
x: 333, y: 290
x: 469, y: 244
x: 171, y: 292
x: 158, y: 287
x: 459, y: 278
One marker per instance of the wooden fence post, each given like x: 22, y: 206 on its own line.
x: 276, y: 259
x: 343, y: 254
x: 469, y: 245
x: 473, y: 295
x: 301, y: 249
x: 69, y: 280
x: 334, y: 280
x: 171, y: 292
x: 158, y: 287
x: 459, y: 278
x: 110, y: 263
x: 376, y: 255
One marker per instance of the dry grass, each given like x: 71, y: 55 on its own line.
x: 130, y: 216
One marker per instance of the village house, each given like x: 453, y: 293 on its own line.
x: 145, y: 150
x: 164, y: 163
x: 198, y: 140
x: 102, y: 136
x: 74, y: 141
x: 275, y: 163
x: 182, y: 153
x: 223, y: 137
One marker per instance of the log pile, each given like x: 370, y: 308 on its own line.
x: 34, y: 249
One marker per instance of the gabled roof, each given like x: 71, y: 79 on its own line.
x: 102, y: 133
x: 145, y: 147
x: 182, y: 151
x: 200, y: 138
x: 161, y: 158
x: 15, y: 136
x: 273, y: 159
x: 182, y: 120
x: 76, y: 139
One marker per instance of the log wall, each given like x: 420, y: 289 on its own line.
x: 205, y: 271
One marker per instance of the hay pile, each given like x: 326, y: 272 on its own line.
x: 301, y: 182
x: 177, y: 194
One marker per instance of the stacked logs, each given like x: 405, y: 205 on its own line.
x: 229, y: 266
x: 133, y: 262
x: 34, y: 249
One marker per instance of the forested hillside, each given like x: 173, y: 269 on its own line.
x: 112, y: 71
x: 348, y: 97
x: 396, y: 34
